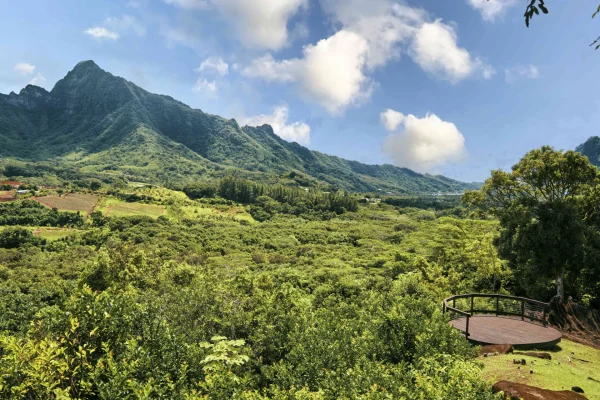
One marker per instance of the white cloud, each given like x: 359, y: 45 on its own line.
x: 424, y: 143
x: 335, y: 72
x: 203, y: 85
x: 37, y: 80
x: 492, y: 9
x: 391, y: 119
x: 522, y: 71
x: 102, y: 33
x: 24, y: 68
x: 294, y: 132
x: 383, y: 24
x: 436, y: 50
x: 215, y: 64
x: 331, y: 72
x: 125, y: 24
x: 260, y: 23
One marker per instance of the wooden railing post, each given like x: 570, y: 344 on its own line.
x: 522, y: 310
x: 467, y: 328
x: 544, y: 317
x: 497, y: 305
x: 472, y: 298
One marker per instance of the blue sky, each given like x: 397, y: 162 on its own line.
x: 453, y: 87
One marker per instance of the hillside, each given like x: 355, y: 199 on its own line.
x: 591, y: 149
x: 104, y: 124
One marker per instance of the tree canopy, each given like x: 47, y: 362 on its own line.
x: 547, y: 207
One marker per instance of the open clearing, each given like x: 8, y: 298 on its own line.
x: 84, y: 203
x: 565, y: 370
x: 118, y: 208
x: 237, y: 213
x: 53, y: 233
x: 6, y: 196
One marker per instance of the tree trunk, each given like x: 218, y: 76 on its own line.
x: 560, y: 289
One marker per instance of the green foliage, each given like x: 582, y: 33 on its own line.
x: 32, y: 213
x: 16, y: 237
x: 549, y: 217
x: 201, y: 306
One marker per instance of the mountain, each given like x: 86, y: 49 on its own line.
x: 102, y: 123
x: 591, y: 149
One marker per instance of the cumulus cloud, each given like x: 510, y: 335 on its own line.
x: 24, y: 68
x: 214, y: 64
x: 423, y: 143
x: 336, y: 71
x: 436, y: 50
x: 293, y: 132
x: 492, y: 9
x: 391, y: 119
x: 331, y: 72
x: 100, y: 33
x: 203, y: 85
x: 521, y: 72
x: 37, y: 80
x: 260, y: 23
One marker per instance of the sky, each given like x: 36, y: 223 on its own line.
x: 456, y: 88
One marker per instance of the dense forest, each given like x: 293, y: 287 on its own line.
x: 234, y: 289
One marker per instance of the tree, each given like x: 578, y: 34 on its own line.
x: 547, y: 208
x: 535, y: 6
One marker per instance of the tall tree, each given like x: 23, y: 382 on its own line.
x: 545, y: 208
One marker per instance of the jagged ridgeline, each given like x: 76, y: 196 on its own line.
x: 97, y: 123
x: 591, y: 149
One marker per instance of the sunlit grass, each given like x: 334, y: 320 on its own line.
x: 555, y: 374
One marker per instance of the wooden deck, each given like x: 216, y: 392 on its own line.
x: 488, y: 329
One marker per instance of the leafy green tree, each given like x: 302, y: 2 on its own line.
x: 541, y: 207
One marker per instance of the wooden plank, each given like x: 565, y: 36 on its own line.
x: 485, y: 329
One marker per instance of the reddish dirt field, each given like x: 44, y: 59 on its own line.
x: 6, y: 196
x: 13, y: 183
x: 84, y: 203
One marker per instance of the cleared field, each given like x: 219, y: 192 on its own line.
x: 237, y: 213
x: 53, y: 233
x: 6, y: 196
x: 118, y: 208
x: 572, y: 364
x: 84, y: 203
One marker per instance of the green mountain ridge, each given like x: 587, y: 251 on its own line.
x: 102, y: 123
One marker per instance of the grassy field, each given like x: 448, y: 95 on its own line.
x: 84, y: 203
x: 195, y: 211
x: 117, y: 208
x: 564, y: 371
x: 53, y: 233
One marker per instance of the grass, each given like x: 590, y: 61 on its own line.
x: 53, y: 233
x: 116, y: 208
x: 555, y: 374
x: 196, y: 211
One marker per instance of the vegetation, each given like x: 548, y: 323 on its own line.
x: 548, y: 211
x: 572, y: 364
x: 209, y: 304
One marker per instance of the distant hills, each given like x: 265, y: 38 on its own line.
x: 99, y: 123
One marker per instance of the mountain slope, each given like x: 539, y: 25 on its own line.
x: 101, y: 122
x: 591, y: 149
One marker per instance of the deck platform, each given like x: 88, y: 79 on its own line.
x: 491, y: 329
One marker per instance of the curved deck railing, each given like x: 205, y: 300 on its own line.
x: 467, y: 305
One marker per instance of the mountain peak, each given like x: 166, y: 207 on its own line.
x: 86, y: 65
